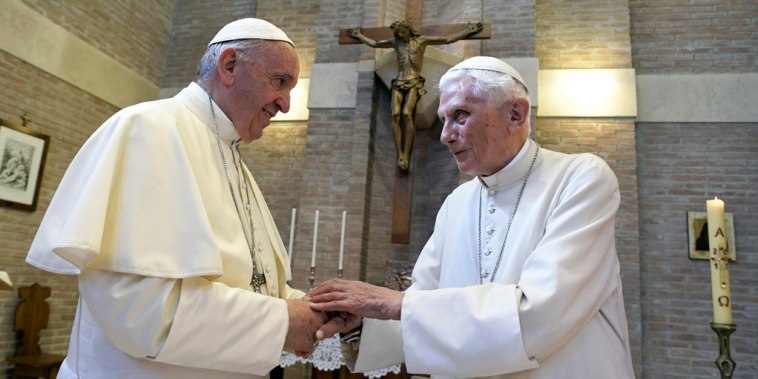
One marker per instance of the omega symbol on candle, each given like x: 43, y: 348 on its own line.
x: 723, y: 301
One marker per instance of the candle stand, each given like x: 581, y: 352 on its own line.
x: 725, y: 363
x: 312, y: 276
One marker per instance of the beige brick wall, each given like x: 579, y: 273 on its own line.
x: 344, y: 158
x: 583, y: 34
x: 135, y: 33
x: 193, y: 25
x: 679, y: 167
x: 708, y: 36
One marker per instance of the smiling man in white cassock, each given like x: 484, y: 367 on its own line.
x: 520, y: 278
x: 182, y: 273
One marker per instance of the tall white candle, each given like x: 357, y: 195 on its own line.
x: 722, y: 301
x: 292, y: 234
x: 342, y: 239
x: 315, y: 237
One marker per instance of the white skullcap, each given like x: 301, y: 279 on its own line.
x: 490, y: 64
x: 250, y: 28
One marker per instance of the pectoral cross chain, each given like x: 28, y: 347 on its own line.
x: 257, y: 280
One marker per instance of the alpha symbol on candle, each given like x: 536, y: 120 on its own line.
x: 719, y: 233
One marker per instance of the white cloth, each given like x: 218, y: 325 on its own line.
x: 555, y: 309
x: 328, y: 357
x: 145, y: 216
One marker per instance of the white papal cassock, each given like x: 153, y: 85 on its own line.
x: 555, y: 308
x: 145, y: 208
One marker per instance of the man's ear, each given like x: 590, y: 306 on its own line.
x: 519, y: 112
x: 227, y: 62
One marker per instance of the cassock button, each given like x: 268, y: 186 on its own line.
x: 490, y: 230
x: 491, y: 192
x: 491, y: 210
x: 484, y: 274
x: 268, y: 268
x: 260, y: 249
x: 488, y: 252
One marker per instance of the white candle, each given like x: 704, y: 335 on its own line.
x: 342, y: 239
x: 722, y: 302
x: 292, y: 234
x: 315, y: 237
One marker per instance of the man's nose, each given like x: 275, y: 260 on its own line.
x: 449, y: 133
x: 283, y: 103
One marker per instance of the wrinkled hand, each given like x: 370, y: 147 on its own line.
x: 356, y: 298
x: 339, y: 323
x: 475, y: 28
x: 303, y: 324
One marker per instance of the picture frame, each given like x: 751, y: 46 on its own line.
x: 698, y: 236
x: 22, y: 161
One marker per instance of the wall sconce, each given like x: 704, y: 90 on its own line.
x: 587, y: 93
x: 298, y: 103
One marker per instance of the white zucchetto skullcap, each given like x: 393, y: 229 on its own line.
x: 491, y: 64
x: 250, y: 28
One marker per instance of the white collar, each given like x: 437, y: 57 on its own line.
x: 514, y: 171
x: 196, y: 100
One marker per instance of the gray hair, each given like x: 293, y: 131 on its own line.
x: 247, y: 50
x: 497, y: 87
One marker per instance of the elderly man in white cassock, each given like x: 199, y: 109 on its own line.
x: 520, y: 278
x: 181, y: 270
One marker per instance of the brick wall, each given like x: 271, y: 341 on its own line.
x: 276, y: 161
x: 680, y: 36
x: 194, y: 23
x: 679, y: 167
x: 296, y: 18
x: 513, y: 24
x: 586, y: 34
x: 133, y: 33
x: 334, y: 164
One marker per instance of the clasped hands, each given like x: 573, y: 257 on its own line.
x: 337, y: 306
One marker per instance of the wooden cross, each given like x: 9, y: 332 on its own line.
x: 401, y: 210
x: 385, y: 32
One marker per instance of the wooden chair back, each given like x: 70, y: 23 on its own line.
x: 32, y: 314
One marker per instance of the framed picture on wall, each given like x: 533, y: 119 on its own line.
x: 22, y: 160
x: 698, y: 235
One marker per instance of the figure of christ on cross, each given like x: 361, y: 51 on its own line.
x: 408, y: 86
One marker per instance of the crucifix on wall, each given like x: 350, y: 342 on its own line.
x: 409, y: 43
